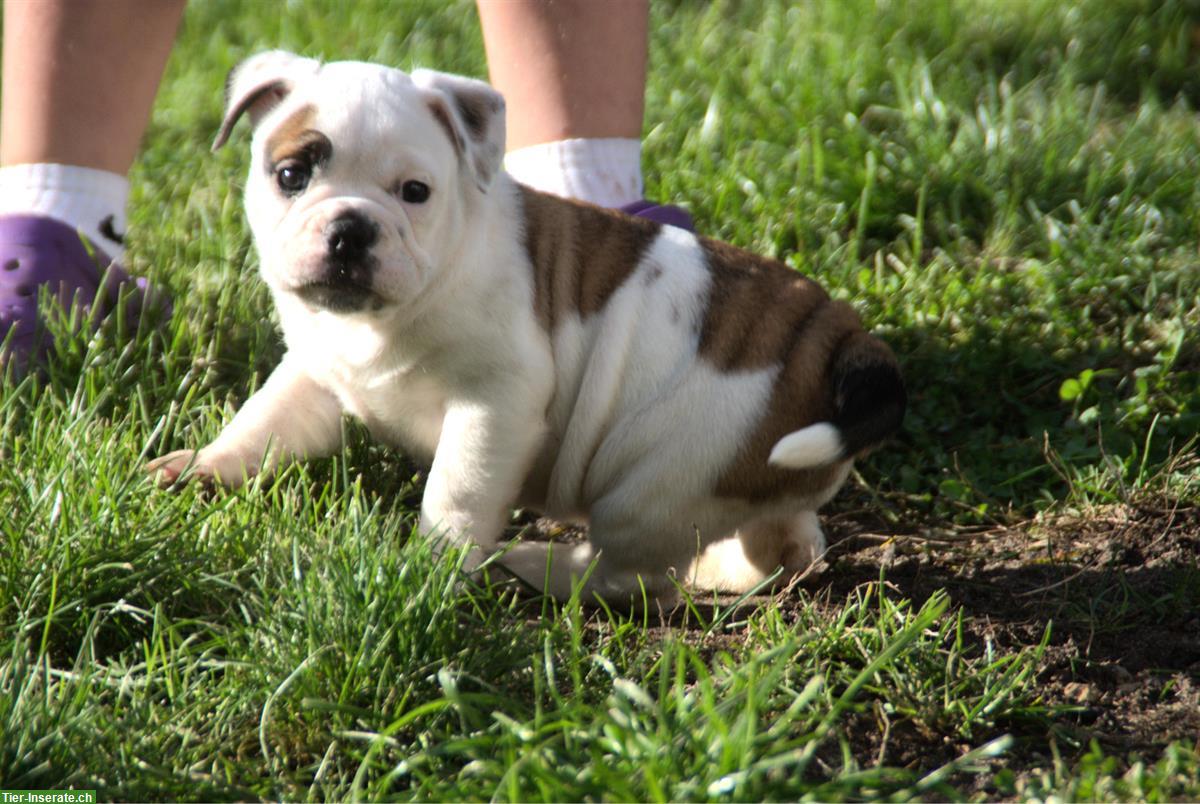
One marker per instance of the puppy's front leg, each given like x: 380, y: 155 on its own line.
x: 481, y: 460
x: 291, y: 416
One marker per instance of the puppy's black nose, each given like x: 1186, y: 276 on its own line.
x: 349, y: 236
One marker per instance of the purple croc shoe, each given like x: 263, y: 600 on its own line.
x: 661, y: 213
x: 36, y: 251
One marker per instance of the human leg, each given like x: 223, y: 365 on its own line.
x: 571, y: 68
x: 79, y: 79
x: 574, y: 75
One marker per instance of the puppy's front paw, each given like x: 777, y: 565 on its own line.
x: 167, y: 469
x: 184, y: 465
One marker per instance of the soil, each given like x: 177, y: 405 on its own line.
x: 1119, y: 590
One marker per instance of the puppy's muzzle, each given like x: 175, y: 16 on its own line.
x: 349, y: 237
x: 349, y: 267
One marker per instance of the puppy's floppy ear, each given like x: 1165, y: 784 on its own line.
x: 473, y: 115
x: 258, y: 84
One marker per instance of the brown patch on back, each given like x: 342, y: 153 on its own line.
x: 757, y: 308
x: 580, y: 254
x: 295, y: 137
x: 762, y: 313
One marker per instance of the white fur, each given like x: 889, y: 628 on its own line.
x: 611, y: 419
x: 744, y: 560
x: 818, y: 444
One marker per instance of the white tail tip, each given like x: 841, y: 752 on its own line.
x: 815, y: 445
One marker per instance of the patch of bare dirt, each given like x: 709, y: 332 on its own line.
x: 1119, y: 590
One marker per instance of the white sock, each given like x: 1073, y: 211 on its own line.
x: 605, y: 171
x: 93, y: 201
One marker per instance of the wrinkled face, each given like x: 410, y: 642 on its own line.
x: 353, y: 186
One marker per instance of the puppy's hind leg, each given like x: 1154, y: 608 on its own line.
x: 554, y: 569
x: 757, y: 550
x: 622, y: 577
x: 724, y: 566
x: 796, y: 543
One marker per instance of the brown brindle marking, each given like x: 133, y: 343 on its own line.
x: 295, y: 137
x: 762, y: 313
x: 580, y: 254
x: 757, y: 308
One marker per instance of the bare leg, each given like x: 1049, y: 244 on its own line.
x: 568, y: 68
x: 574, y: 75
x: 80, y: 78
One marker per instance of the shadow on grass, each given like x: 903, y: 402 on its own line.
x: 987, y: 433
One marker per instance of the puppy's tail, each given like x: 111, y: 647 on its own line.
x: 869, y: 401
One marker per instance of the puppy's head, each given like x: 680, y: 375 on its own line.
x: 363, y: 178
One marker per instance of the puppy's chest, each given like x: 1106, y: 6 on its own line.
x: 404, y: 409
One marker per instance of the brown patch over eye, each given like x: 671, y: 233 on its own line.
x: 295, y: 138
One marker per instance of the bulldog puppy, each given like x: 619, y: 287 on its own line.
x: 694, y: 404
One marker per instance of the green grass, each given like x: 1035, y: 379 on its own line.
x: 1006, y: 189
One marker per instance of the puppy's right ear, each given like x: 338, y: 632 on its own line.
x: 258, y: 84
x: 473, y: 115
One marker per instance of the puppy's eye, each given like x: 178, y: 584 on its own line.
x: 414, y: 192
x: 292, y: 177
